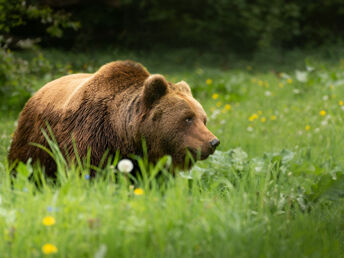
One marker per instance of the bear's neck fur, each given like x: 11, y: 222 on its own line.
x: 103, y: 114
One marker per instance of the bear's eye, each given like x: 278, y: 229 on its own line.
x: 205, y: 121
x: 189, y: 120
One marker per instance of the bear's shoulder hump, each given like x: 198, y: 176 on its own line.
x: 122, y: 69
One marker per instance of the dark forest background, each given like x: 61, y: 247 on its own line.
x: 240, y: 25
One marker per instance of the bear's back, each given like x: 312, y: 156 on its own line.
x: 60, y: 92
x: 67, y: 92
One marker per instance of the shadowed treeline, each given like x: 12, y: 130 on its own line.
x: 238, y: 24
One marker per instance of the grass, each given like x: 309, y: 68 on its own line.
x: 273, y: 189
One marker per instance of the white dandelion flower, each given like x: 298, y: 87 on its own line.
x: 125, y: 166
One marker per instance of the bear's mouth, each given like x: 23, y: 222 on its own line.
x: 187, y: 159
x: 197, y: 154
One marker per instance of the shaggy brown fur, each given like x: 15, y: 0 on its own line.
x: 113, y: 109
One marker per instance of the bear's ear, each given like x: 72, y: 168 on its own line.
x: 184, y: 87
x: 155, y: 87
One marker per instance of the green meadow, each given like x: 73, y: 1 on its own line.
x: 274, y: 187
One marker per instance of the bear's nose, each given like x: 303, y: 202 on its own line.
x: 214, y: 143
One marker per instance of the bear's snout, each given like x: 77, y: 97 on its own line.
x: 214, y: 143
x: 200, y: 141
x: 210, y: 148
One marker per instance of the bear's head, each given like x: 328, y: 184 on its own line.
x: 174, y: 123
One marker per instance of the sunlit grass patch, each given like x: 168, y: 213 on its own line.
x: 274, y: 188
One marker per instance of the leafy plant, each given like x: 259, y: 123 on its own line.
x: 16, y: 73
x: 19, y: 12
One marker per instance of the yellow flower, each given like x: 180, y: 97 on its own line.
x: 266, y: 84
x: 48, y: 221
x: 322, y: 113
x: 49, y: 249
x: 249, y: 68
x: 215, y: 96
x: 253, y: 80
x: 341, y: 103
x: 281, y: 85
x: 290, y: 81
x: 209, y: 81
x: 228, y: 107
x: 253, y: 117
x: 259, y: 112
x: 263, y: 119
x: 138, y: 191
x: 273, y: 117
x: 218, y: 104
x: 260, y: 83
x: 70, y: 71
x: 307, y: 128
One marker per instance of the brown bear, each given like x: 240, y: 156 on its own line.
x: 114, y: 109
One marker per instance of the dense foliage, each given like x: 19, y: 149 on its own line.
x: 243, y: 25
x: 22, y: 14
x: 16, y: 73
